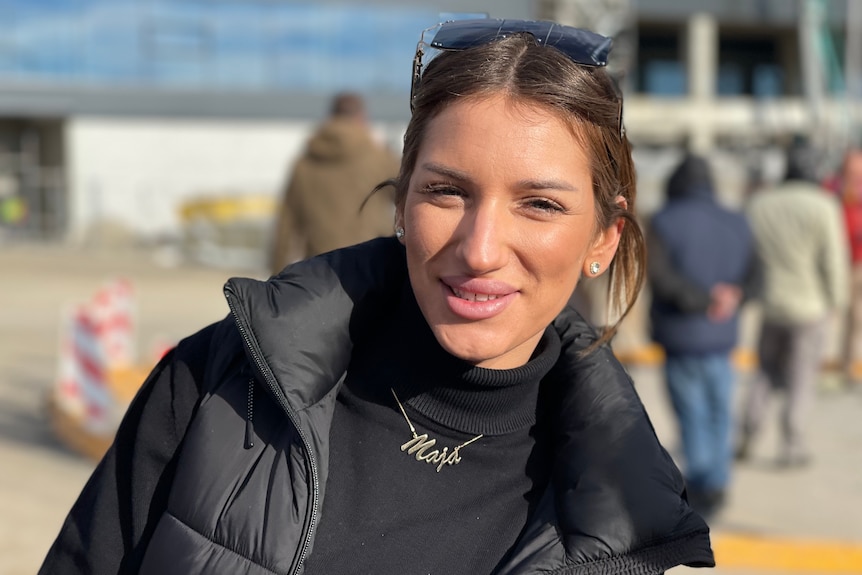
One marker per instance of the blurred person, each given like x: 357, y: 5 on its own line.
x: 423, y: 403
x: 702, y: 266
x: 848, y: 186
x: 322, y: 206
x: 801, y: 242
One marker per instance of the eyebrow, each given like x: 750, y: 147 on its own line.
x: 445, y: 171
x: 547, y: 185
x: 540, y: 184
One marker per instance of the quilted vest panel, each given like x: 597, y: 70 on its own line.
x: 234, y: 509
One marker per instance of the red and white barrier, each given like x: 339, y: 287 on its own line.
x: 97, y: 337
x: 112, y: 312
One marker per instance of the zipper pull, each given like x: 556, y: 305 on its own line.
x: 249, y: 416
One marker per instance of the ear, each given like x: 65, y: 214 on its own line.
x: 604, y: 247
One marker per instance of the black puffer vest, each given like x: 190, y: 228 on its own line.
x: 252, y: 471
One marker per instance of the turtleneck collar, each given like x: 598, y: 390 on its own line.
x: 457, y: 394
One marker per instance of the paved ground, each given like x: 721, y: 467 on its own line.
x: 805, y: 521
x: 39, y: 477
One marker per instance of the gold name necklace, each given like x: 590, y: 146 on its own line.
x: 421, y: 447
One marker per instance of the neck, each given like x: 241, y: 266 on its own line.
x: 457, y: 394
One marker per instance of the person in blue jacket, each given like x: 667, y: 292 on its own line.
x: 702, y: 267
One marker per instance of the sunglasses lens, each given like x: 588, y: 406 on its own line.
x: 582, y: 46
x: 463, y: 34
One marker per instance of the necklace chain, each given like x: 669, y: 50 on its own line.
x: 422, y: 447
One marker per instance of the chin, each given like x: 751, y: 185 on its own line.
x: 473, y: 346
x: 464, y: 344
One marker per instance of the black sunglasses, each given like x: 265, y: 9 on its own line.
x: 581, y: 46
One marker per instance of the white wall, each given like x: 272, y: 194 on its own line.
x: 137, y: 172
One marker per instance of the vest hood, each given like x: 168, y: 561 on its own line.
x: 303, y: 321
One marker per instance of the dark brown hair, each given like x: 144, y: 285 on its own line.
x: 584, y: 97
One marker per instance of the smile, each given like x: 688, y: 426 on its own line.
x: 470, y: 296
x: 477, y: 299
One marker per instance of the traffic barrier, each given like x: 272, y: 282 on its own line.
x: 96, y: 368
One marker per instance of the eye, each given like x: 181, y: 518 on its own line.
x: 544, y: 205
x: 444, y: 195
x: 443, y: 190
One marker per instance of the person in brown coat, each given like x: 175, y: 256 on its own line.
x: 341, y: 165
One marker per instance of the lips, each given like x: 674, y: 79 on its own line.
x: 477, y: 299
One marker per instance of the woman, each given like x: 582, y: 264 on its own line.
x: 425, y: 404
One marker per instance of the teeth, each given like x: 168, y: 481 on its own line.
x: 469, y: 296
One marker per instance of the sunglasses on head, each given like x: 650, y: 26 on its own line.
x: 581, y: 46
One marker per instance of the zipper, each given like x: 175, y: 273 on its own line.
x: 269, y: 378
x: 249, y: 416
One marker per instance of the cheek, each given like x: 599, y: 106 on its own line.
x: 570, y: 261
x: 564, y: 255
x: 426, y: 227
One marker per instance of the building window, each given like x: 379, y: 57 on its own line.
x: 767, y: 81
x: 660, y: 67
x: 749, y: 67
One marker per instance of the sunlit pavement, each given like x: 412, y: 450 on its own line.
x: 806, y: 520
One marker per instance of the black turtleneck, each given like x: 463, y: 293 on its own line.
x: 386, y: 512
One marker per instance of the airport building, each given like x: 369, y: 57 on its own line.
x: 119, y: 112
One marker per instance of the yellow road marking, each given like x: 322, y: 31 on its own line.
x: 786, y: 555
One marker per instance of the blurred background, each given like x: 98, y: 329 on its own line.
x: 146, y: 144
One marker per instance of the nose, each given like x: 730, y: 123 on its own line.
x: 482, y: 242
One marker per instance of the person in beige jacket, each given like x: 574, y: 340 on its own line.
x: 322, y: 207
x: 799, y: 235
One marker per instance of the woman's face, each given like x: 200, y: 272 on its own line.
x: 500, y: 221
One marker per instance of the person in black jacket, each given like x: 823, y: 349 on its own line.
x: 426, y: 403
x: 702, y: 267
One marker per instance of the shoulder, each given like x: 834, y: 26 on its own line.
x: 576, y: 337
x: 765, y: 200
x: 680, y: 211
x: 818, y: 200
x: 609, y: 458
x: 736, y: 218
x: 664, y: 218
x: 208, y: 351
